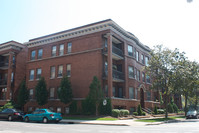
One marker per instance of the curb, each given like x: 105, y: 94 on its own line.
x: 93, y: 123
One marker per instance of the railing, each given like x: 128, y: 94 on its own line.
x: 3, y: 64
x: 118, y: 75
x: 117, y: 51
x: 3, y: 82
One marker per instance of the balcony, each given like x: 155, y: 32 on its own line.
x: 4, y: 65
x: 3, y: 82
x: 117, y: 53
x: 117, y: 76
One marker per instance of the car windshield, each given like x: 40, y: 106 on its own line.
x: 17, y: 110
x: 48, y: 110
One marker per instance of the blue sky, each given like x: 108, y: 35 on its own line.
x: 173, y: 23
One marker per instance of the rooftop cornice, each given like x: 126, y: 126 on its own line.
x: 84, y: 30
x: 11, y: 45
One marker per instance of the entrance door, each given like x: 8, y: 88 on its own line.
x: 142, y: 98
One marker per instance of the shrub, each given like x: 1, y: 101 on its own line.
x: 160, y: 111
x: 170, y: 108
x: 124, y: 112
x: 115, y: 112
x: 155, y: 110
x: 88, y: 107
x: 105, y: 109
x: 73, y: 107
x: 143, y: 113
x: 175, y: 108
x: 135, y: 113
x: 7, y: 105
x: 139, y: 110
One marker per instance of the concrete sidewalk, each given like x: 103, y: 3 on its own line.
x: 129, y: 122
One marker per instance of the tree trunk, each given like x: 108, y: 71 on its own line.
x: 166, y: 103
x: 186, y: 99
x: 196, y: 102
x: 96, y: 109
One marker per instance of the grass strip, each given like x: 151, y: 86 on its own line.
x: 90, y: 118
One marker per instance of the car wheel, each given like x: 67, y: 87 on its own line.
x: 26, y: 119
x: 56, y: 121
x: 10, y: 118
x: 45, y: 120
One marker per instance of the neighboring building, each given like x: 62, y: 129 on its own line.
x: 101, y: 49
x: 12, y: 69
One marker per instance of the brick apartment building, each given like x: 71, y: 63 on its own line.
x: 101, y: 49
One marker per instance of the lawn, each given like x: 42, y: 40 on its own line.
x: 160, y: 119
x: 91, y: 118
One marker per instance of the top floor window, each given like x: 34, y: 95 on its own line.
x: 40, y: 53
x: 33, y: 55
x: 137, y: 56
x: 61, y: 49
x: 54, y: 49
x: 142, y: 58
x: 69, y: 47
x: 146, y: 60
x: 130, y: 50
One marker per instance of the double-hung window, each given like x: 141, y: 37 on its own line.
x: 31, y: 75
x: 60, y: 71
x: 61, y: 49
x: 54, y: 49
x: 40, y: 53
x: 33, y: 55
x: 69, y: 47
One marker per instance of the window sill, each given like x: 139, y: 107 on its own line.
x: 31, y: 80
x: 60, y: 77
x: 52, y: 78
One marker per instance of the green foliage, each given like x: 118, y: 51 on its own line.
x: 175, y: 108
x: 139, y: 110
x: 41, y: 92
x: 65, y: 93
x: 23, y: 94
x: 160, y: 111
x: 170, y: 108
x: 7, y: 105
x: 73, y: 107
x: 88, y: 106
x: 95, y: 94
x: 105, y: 109
x: 124, y: 112
x: 155, y: 110
x: 143, y: 113
x: 115, y: 112
x: 135, y: 113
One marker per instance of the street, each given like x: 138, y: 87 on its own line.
x: 189, y: 126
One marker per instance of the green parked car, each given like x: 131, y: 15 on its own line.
x: 43, y: 115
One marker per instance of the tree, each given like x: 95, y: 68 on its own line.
x: 65, y: 93
x: 161, y: 70
x: 22, y: 95
x: 41, y: 92
x: 186, y: 79
x: 95, y: 93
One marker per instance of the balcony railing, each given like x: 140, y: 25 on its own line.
x: 117, y: 51
x: 3, y: 82
x: 117, y: 75
x: 3, y: 64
